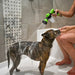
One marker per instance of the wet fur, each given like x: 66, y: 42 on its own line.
x: 39, y: 51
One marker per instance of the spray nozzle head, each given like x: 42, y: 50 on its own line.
x: 48, y: 16
x: 45, y: 21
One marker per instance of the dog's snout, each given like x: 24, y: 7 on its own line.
x: 58, y: 31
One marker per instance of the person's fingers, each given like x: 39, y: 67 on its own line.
x: 59, y: 28
x: 54, y: 15
x: 63, y: 31
x: 63, y: 28
x: 56, y: 11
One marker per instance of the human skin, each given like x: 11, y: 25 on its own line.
x: 67, y: 39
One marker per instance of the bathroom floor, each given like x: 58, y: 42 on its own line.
x: 30, y: 67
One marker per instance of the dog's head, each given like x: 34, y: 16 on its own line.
x: 51, y: 34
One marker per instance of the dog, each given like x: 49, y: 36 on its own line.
x: 39, y: 51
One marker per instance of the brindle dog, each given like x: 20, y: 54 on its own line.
x: 39, y: 51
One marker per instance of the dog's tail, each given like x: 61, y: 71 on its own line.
x: 8, y: 58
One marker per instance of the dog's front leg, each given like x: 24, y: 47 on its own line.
x: 42, y: 67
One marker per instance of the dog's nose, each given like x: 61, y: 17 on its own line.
x: 58, y: 31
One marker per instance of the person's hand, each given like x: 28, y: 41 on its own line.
x: 56, y: 11
x: 65, y: 29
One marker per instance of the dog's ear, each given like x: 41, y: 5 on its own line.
x: 44, y: 34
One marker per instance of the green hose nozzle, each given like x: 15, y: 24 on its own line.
x: 45, y: 21
x: 48, y: 16
x: 52, y: 11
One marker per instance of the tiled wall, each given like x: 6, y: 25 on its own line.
x: 12, y: 22
x: 2, y: 41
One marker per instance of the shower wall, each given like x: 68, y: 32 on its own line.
x: 2, y: 36
x: 12, y: 22
x: 33, y: 12
x: 64, y: 5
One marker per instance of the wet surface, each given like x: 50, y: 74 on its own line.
x: 30, y: 67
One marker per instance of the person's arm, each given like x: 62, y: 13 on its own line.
x: 72, y: 27
x: 69, y: 13
x: 67, y: 28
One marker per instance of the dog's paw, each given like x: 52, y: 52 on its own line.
x: 17, y: 70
